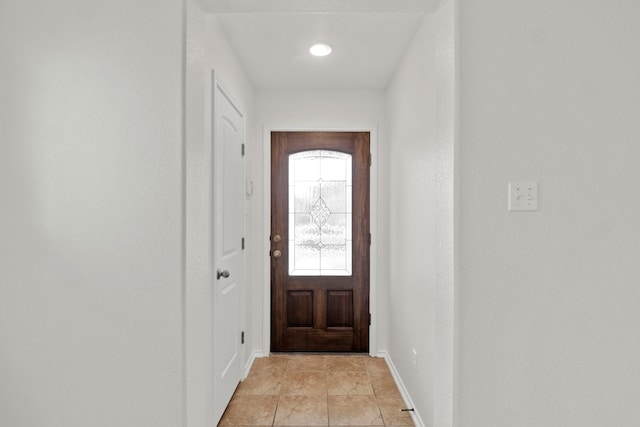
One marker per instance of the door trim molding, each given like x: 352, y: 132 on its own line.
x: 373, y: 213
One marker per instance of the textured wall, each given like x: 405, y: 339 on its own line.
x: 412, y: 201
x: 548, y: 300
x: 446, y: 81
x: 420, y: 293
x: 91, y: 213
x: 420, y: 105
x: 198, y: 294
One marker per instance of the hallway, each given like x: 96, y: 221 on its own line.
x: 316, y: 390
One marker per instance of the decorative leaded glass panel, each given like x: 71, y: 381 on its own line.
x: 320, y: 216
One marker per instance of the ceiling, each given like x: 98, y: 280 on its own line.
x: 272, y: 39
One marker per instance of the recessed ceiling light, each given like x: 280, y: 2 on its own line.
x: 320, y: 49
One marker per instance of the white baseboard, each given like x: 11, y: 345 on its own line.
x: 417, y: 420
x: 252, y: 357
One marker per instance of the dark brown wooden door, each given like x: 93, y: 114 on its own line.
x: 320, y: 239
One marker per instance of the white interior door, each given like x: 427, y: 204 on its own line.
x: 228, y: 265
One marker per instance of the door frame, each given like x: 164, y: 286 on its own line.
x: 266, y: 244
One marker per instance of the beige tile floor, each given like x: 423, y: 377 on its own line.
x: 317, y: 390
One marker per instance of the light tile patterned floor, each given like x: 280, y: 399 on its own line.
x: 317, y: 390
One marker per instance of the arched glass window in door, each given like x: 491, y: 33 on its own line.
x: 320, y: 215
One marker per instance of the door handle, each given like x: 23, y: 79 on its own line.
x: 276, y: 254
x: 224, y: 274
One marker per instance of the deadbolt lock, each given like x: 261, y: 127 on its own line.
x: 277, y: 238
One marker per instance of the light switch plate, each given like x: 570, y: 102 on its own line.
x: 523, y: 196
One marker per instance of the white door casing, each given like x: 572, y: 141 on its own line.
x: 228, y: 257
x: 266, y: 264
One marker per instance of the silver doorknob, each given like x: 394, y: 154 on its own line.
x: 224, y: 274
x: 276, y: 254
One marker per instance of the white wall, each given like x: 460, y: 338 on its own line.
x: 207, y: 50
x: 322, y: 108
x: 548, y: 300
x: 446, y: 81
x: 411, y: 290
x: 420, y: 289
x: 317, y: 110
x: 91, y: 246
x: 198, y: 296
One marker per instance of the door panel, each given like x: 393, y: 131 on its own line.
x: 320, y: 241
x: 228, y: 230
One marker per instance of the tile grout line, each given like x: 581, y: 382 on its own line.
x: 328, y: 418
x: 284, y: 375
x: 326, y: 380
x: 273, y: 421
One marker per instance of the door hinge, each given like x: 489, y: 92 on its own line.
x: 370, y: 161
x: 243, y: 150
x: 369, y: 239
x: 243, y: 243
x: 242, y: 337
x: 369, y: 319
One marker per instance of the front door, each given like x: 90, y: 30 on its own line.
x: 320, y: 240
